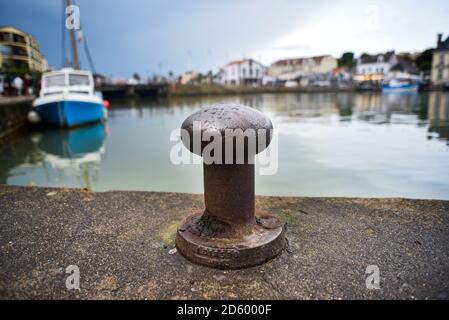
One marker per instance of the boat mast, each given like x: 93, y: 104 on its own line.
x: 75, y: 61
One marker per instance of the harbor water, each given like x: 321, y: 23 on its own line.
x: 329, y: 144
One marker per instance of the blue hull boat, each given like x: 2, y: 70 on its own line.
x: 69, y: 113
x: 67, y: 99
x: 396, y: 86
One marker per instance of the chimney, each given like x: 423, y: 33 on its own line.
x: 440, y: 36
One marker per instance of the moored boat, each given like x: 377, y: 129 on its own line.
x: 68, y: 99
x: 395, y: 85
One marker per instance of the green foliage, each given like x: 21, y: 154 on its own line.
x: 364, y: 55
x: 424, y: 60
x: 21, y: 72
x: 136, y: 76
x: 347, y: 60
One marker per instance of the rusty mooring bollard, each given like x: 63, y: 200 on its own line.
x: 229, y: 233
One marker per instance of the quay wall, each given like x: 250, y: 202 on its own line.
x: 13, y: 113
x: 213, y: 89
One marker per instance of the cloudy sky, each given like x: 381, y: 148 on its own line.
x: 149, y: 36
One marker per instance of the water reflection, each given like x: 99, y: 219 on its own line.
x: 438, y: 115
x: 64, y: 155
x: 330, y: 144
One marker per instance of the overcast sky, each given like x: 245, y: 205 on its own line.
x: 150, y: 36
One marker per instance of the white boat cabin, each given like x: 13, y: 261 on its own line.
x: 67, y: 80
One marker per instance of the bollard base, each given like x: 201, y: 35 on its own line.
x: 265, y: 241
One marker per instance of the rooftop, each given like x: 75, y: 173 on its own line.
x: 237, y: 62
x: 367, y: 58
x: 9, y: 28
x: 442, y: 44
x: 296, y: 61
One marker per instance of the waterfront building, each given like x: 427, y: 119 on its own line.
x: 20, y: 51
x: 440, y: 62
x: 189, y: 77
x: 291, y: 69
x: 242, y: 72
x: 404, y: 70
x: 375, y: 67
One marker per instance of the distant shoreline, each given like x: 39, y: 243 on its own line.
x: 198, y: 90
x: 211, y: 89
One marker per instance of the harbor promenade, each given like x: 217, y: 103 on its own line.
x: 123, y: 244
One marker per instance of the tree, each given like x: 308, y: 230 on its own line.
x: 136, y: 76
x: 424, y: 60
x: 405, y: 57
x: 346, y: 60
x: 364, y: 55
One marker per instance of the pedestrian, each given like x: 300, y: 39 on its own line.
x: 18, y: 85
x: 28, y: 85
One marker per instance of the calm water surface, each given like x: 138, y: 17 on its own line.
x: 330, y: 144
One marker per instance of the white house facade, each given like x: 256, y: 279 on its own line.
x: 375, y: 67
x: 242, y: 72
x: 440, y: 62
x: 289, y: 69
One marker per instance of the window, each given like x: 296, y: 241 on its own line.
x: 78, y: 80
x: 11, y: 37
x: 18, y: 38
x: 6, y: 36
x: 55, y: 81
x: 12, y: 63
x: 5, y: 50
x: 12, y: 51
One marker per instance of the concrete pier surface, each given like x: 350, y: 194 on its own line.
x: 123, y: 244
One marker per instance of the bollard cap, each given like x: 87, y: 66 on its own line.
x: 233, y: 123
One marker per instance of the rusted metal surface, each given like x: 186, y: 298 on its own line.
x: 221, y: 117
x: 229, y: 233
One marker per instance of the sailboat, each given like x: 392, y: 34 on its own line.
x: 68, y: 97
